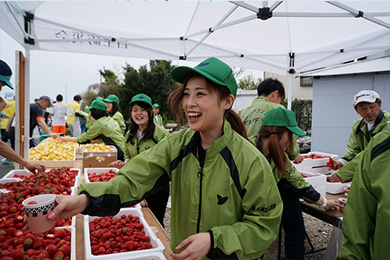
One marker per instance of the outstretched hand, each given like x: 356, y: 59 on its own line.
x: 68, y: 206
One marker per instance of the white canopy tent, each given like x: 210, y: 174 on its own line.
x: 280, y: 37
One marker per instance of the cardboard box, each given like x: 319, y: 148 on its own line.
x: 99, y: 159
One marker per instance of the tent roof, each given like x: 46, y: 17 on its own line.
x: 315, y: 33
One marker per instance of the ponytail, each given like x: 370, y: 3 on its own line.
x: 274, y: 134
x: 237, y: 124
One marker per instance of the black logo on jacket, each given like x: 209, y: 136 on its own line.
x: 221, y: 200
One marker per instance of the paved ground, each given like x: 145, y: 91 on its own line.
x: 5, y: 167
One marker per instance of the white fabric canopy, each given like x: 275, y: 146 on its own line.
x: 315, y: 33
x: 288, y: 37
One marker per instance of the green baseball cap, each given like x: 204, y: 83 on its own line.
x: 141, y: 98
x: 155, y: 105
x: 5, y: 74
x: 112, y: 99
x: 97, y: 98
x: 213, y: 69
x: 283, y: 117
x: 98, y: 104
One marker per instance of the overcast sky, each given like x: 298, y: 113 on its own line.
x: 66, y: 73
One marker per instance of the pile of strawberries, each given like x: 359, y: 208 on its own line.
x: 109, y: 235
x: 16, y: 243
x: 101, y: 177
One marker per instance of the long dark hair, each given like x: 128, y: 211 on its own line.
x: 149, y: 131
x: 115, y: 108
x: 176, y: 97
x: 275, y: 133
x: 97, y: 113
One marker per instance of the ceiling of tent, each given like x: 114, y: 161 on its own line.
x: 315, y: 33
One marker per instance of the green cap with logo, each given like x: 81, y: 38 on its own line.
x: 155, y: 105
x: 283, y: 117
x: 112, y: 99
x: 213, y: 69
x: 98, y: 104
x: 141, y: 98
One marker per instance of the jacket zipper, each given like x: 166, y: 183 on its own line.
x: 200, y: 175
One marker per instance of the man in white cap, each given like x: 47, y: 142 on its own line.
x: 368, y: 105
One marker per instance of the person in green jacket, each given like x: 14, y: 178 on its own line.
x: 225, y: 200
x: 112, y: 102
x: 143, y: 135
x: 271, y: 94
x: 366, y: 222
x: 276, y: 137
x: 89, y: 120
x: 368, y: 105
x: 157, y: 118
x: 104, y: 129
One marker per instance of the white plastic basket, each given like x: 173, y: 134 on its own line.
x: 158, y: 247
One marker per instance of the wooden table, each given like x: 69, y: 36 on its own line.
x: 148, y: 215
x: 333, y: 217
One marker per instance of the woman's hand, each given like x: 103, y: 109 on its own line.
x: 333, y: 204
x: 198, y: 246
x: 117, y: 164
x: 68, y: 206
x: 335, y: 178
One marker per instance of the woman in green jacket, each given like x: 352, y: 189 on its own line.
x: 104, y: 129
x: 112, y: 102
x: 225, y: 200
x: 143, y: 135
x: 274, y: 139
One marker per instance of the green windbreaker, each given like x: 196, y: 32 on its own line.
x: 233, y: 196
x: 160, y: 120
x: 132, y: 150
x: 89, y: 121
x: 294, y: 182
x: 359, y: 139
x: 107, y: 131
x: 252, y: 116
x: 118, y: 117
x: 366, y: 223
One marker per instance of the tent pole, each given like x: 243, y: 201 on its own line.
x: 290, y: 87
x: 26, y: 133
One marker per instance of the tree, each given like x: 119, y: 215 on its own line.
x: 154, y: 82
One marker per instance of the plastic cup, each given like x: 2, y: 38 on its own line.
x: 36, y: 214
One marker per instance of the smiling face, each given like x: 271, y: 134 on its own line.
x: 203, y: 107
x: 368, y: 111
x: 139, y: 116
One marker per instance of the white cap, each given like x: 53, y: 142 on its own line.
x: 9, y: 95
x: 365, y: 96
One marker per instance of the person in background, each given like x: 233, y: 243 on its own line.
x: 270, y: 94
x: 274, y: 139
x: 5, y: 150
x: 37, y: 118
x: 73, y: 112
x: 112, y: 102
x: 104, y: 129
x: 142, y: 136
x: 9, y: 111
x: 89, y: 121
x: 225, y: 201
x: 157, y: 118
x: 366, y: 221
x: 368, y: 105
x: 85, y: 113
x: 5, y: 76
x: 58, y: 124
